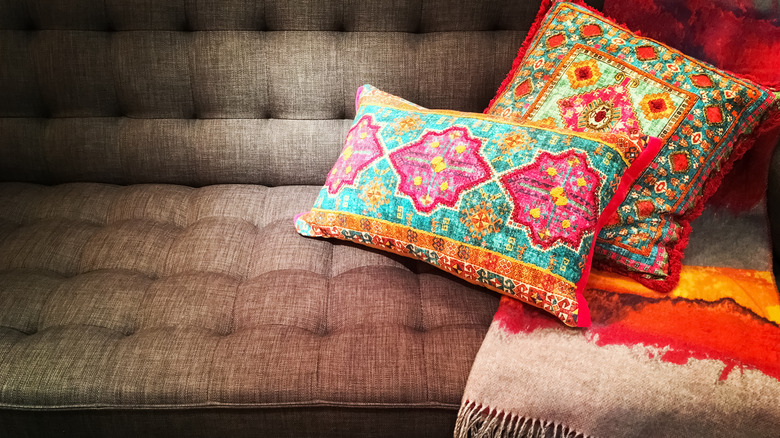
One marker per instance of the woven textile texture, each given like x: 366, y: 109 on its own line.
x: 511, y: 207
x: 581, y: 71
x: 141, y: 296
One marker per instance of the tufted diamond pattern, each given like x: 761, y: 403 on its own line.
x: 146, y: 295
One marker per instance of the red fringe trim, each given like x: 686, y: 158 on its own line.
x: 745, y: 186
x: 676, y: 249
x: 543, y: 9
x: 755, y: 161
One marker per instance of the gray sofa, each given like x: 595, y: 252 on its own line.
x: 153, y: 154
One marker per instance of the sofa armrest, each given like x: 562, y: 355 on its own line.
x: 773, y: 208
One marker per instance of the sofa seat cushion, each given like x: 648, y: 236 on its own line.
x: 162, y: 295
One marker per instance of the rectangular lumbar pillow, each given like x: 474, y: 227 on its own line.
x: 578, y: 70
x: 514, y: 207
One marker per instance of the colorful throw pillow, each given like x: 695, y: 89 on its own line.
x: 580, y: 71
x: 513, y: 207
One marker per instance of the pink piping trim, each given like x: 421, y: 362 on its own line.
x: 626, y: 181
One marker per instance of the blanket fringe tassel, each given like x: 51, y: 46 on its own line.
x: 477, y: 421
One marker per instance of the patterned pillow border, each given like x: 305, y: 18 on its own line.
x: 477, y: 264
x: 693, y: 200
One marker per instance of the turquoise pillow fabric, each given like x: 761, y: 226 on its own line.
x: 514, y: 207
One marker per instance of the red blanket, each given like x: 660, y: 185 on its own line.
x: 701, y: 361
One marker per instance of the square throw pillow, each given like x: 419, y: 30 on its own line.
x: 578, y: 70
x: 514, y: 207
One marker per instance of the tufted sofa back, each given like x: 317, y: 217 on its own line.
x: 202, y: 92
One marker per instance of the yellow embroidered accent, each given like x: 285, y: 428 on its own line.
x: 348, y: 169
x: 558, y: 195
x: 657, y: 106
x: 417, y: 180
x: 438, y: 164
x: 347, y: 152
x: 583, y: 74
x: 552, y: 171
x: 565, y: 224
x: 535, y: 213
x: 460, y: 148
x: 434, y: 144
x: 444, y: 186
x: 580, y: 182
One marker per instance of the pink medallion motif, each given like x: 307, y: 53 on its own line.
x: 555, y: 197
x: 361, y: 148
x: 439, y: 166
x: 604, y: 110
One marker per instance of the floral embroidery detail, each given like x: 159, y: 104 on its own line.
x: 524, y: 88
x: 591, y: 30
x: 361, y: 148
x: 464, y: 252
x: 702, y: 81
x: 439, y: 166
x: 375, y: 194
x: 603, y: 110
x: 583, y: 74
x: 555, y: 197
x: 516, y: 141
x: 714, y: 115
x: 408, y: 124
x: 657, y: 106
x: 646, y: 53
x: 556, y: 40
x: 480, y: 220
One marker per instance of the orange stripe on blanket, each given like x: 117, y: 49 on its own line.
x: 753, y: 290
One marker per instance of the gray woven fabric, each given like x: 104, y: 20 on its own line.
x: 77, y: 75
x: 726, y: 239
x: 80, y: 80
x: 183, y: 77
x: 338, y: 15
x: 151, y: 295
